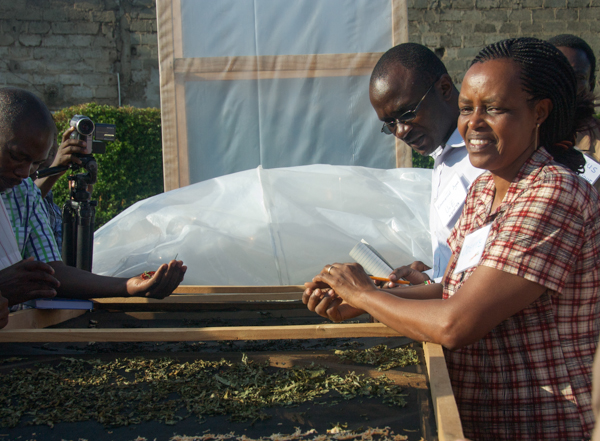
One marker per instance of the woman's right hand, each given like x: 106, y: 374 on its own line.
x: 323, y: 300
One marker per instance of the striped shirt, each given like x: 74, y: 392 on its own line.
x: 30, y: 222
x: 530, y: 377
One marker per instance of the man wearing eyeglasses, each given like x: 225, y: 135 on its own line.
x: 414, y: 96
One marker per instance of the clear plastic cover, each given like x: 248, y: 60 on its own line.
x: 271, y: 227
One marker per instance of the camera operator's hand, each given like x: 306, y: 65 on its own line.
x: 27, y: 280
x: 162, y: 283
x: 3, y: 312
x: 68, y: 150
x: 65, y: 154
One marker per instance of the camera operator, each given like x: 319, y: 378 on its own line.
x: 26, y: 137
x: 62, y: 155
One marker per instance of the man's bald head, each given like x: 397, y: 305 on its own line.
x: 408, y: 77
x: 19, y: 107
x: 26, y: 135
x: 412, y: 57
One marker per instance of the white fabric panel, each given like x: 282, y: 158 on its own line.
x: 223, y: 127
x: 217, y: 28
x: 271, y: 227
x: 237, y: 125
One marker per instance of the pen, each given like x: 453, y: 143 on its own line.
x: 383, y: 279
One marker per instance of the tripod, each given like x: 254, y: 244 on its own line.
x: 79, y: 213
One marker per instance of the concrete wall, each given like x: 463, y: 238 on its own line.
x: 458, y: 29
x: 70, y: 51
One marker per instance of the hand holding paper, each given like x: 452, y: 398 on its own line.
x: 28, y: 280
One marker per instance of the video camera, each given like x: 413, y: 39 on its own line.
x: 86, y: 130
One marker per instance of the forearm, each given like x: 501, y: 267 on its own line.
x: 418, y: 313
x: 79, y: 284
x: 417, y: 292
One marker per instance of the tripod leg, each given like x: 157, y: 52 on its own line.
x: 85, y: 236
x: 69, y: 240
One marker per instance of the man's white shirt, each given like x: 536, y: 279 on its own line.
x: 453, y: 174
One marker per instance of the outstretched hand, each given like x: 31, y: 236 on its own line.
x: 162, y: 283
x: 27, y: 280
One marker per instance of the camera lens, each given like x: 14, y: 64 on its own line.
x: 85, y: 126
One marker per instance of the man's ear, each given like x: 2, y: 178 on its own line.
x: 446, y: 85
x: 543, y: 109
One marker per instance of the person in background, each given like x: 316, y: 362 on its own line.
x: 27, y: 134
x: 517, y: 312
x: 412, y: 93
x: 583, y: 61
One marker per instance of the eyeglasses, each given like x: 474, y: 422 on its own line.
x: 389, y: 128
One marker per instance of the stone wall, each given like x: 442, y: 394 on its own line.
x: 458, y: 29
x: 76, y: 51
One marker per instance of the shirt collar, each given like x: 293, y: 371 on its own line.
x: 455, y: 140
x: 527, y: 174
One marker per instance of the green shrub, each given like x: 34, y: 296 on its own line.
x: 131, y: 168
x: 420, y: 161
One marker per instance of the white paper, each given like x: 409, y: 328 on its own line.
x: 370, y: 259
x: 9, y: 250
x: 472, y: 249
x: 451, y: 199
x: 592, y: 170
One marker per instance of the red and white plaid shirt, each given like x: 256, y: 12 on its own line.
x: 530, y: 376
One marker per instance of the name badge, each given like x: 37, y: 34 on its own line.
x: 592, y: 170
x: 451, y: 199
x: 472, y: 249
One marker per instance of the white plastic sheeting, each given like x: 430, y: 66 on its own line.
x: 271, y: 227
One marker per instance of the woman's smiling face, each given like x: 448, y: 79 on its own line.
x: 497, y: 119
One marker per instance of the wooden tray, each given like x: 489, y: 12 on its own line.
x: 31, y: 325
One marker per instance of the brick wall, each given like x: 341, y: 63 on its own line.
x: 458, y: 29
x: 70, y: 51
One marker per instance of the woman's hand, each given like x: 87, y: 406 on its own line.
x: 336, y: 291
x: 413, y: 273
x: 323, y: 300
x: 162, y: 283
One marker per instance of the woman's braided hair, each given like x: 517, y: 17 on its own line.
x: 546, y: 73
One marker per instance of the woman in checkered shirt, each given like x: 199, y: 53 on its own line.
x: 518, y: 308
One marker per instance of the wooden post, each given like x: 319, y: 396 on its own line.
x: 446, y: 411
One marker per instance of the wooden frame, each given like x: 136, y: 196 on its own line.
x: 175, y: 70
x: 27, y: 326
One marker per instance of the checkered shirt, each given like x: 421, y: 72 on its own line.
x: 530, y: 377
x: 30, y: 222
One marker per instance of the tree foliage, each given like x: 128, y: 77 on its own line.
x: 131, y: 168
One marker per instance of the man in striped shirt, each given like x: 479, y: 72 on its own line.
x: 26, y: 136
